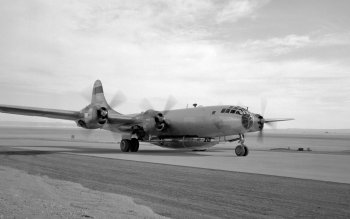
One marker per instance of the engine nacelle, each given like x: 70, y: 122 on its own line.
x: 153, y: 122
x: 256, y: 122
x: 94, y: 117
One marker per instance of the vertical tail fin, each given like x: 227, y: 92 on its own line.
x: 97, y: 94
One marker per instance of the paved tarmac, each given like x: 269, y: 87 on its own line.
x: 215, y: 183
x: 181, y: 192
x: 334, y: 167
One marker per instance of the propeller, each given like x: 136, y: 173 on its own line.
x: 269, y: 122
x: 263, y: 105
x: 118, y: 99
x: 159, y: 116
x: 145, y: 104
x: 170, y: 103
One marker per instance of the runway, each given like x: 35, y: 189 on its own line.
x: 333, y: 167
x: 189, y: 184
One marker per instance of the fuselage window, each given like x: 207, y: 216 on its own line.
x: 223, y: 110
x: 227, y: 111
x: 213, y: 112
x: 233, y: 111
x: 238, y: 112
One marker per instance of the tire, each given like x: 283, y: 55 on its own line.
x: 246, y: 151
x: 125, y: 145
x: 240, y: 151
x: 134, y: 147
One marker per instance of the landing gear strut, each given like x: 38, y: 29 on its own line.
x: 127, y: 145
x: 241, y: 150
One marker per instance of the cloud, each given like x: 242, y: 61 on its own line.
x: 235, y: 10
x: 290, y: 43
x: 159, y: 48
x: 277, y: 46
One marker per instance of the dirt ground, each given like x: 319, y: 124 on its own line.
x: 27, y: 196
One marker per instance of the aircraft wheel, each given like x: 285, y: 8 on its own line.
x: 246, y: 151
x: 125, y: 145
x: 240, y: 150
x: 134, y: 147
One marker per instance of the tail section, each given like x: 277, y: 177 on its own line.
x: 98, y: 95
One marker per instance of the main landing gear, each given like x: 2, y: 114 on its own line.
x: 127, y: 145
x: 241, y: 150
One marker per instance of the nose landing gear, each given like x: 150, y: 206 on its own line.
x: 241, y: 150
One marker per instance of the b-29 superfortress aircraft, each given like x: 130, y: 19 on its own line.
x: 194, y: 128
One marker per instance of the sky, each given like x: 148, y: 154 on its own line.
x: 293, y: 54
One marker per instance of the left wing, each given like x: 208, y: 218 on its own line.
x: 42, y: 112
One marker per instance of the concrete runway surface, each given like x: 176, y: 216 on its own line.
x: 334, y: 167
x: 207, y: 184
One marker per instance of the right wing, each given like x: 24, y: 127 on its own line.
x: 42, y: 112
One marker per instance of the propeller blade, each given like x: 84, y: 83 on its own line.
x: 170, y: 103
x: 261, y: 137
x: 118, y: 99
x: 86, y: 94
x: 145, y: 104
x: 263, y: 105
x: 271, y: 124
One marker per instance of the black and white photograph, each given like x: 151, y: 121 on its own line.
x: 174, y: 109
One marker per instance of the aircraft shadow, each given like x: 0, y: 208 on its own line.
x: 6, y: 150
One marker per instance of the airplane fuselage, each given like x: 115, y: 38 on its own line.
x: 199, y: 127
x: 203, y: 122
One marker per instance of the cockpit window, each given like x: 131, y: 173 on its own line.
x: 235, y: 110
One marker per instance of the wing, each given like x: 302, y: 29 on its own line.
x: 118, y: 122
x: 277, y: 120
x: 42, y: 112
x: 117, y: 118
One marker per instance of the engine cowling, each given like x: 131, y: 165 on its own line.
x: 154, y: 121
x: 93, y: 117
x: 253, y: 122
